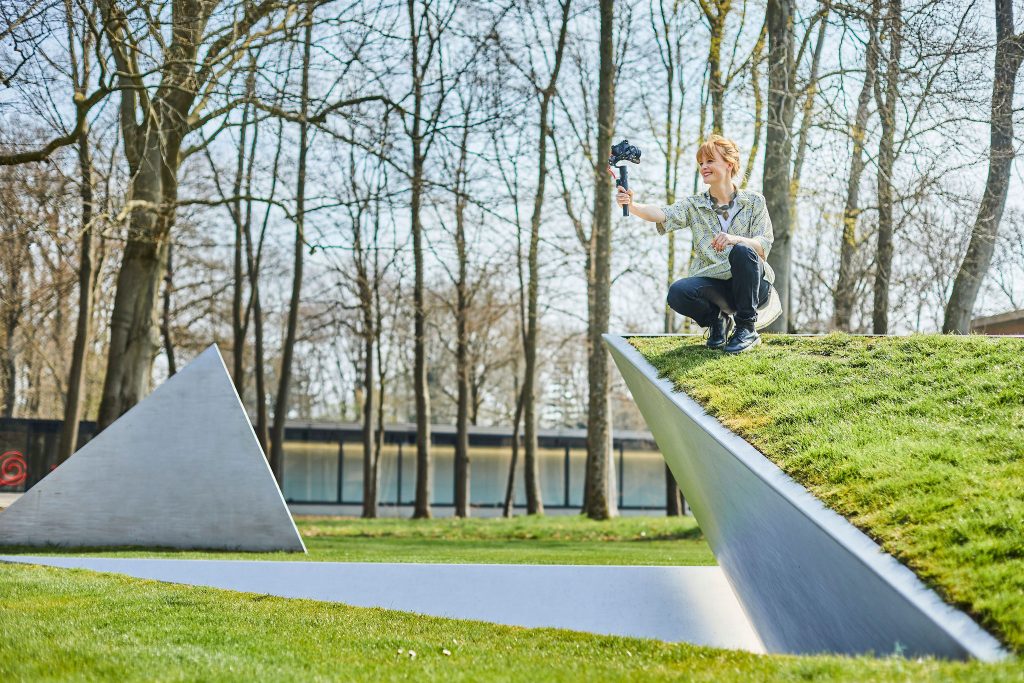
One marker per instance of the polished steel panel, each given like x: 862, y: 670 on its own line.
x: 808, y: 579
x: 181, y: 469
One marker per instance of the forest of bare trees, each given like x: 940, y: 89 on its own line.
x: 401, y: 211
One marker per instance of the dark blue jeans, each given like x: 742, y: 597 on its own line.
x: 703, y: 298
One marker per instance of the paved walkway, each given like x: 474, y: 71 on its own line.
x: 7, y: 499
x: 691, y: 604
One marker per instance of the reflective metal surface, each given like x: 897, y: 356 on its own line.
x: 808, y: 579
x: 182, y: 469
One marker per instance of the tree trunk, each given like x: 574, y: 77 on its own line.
x: 779, y: 149
x: 715, y: 84
x: 599, y: 504
x: 254, y: 261
x: 462, y: 354
x: 370, y: 403
x: 381, y: 379
x: 153, y: 125
x: 133, y: 320
x: 8, y: 359
x: 165, y: 322
x: 72, y: 406
x: 534, y: 500
x: 262, y: 419
x: 421, y: 388
x: 808, y: 111
x: 1009, y: 54
x: 510, y: 483
x: 673, y: 147
x: 886, y: 160
x: 237, y: 324
x: 288, y: 348
x: 673, y: 496
x: 843, y: 297
x: 756, y: 56
x: 462, y: 472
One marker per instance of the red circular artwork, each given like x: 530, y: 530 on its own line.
x: 12, y: 469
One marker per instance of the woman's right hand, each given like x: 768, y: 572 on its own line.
x: 624, y: 197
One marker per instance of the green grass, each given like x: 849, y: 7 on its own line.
x: 520, y: 540
x: 80, y: 625
x: 919, y: 441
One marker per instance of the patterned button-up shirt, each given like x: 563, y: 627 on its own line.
x: 697, y: 213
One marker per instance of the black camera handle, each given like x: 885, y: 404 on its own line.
x: 623, y: 181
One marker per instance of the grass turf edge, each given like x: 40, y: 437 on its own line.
x: 918, y: 441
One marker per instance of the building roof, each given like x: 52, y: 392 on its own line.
x: 1011, y: 322
x: 316, y: 430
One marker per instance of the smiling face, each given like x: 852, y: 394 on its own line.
x: 714, y: 169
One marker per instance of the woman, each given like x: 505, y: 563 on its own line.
x: 730, y: 283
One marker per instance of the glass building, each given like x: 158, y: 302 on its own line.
x: 324, y: 469
x: 323, y: 465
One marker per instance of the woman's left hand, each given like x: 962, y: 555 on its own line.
x: 723, y: 240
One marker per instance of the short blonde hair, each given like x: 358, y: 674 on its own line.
x: 727, y: 148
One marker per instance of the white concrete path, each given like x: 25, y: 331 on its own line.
x: 690, y: 604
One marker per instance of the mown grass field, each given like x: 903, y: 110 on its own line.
x: 79, y: 625
x: 519, y: 540
x: 919, y: 441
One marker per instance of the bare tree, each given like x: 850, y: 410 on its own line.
x: 779, y: 147
x: 80, y: 70
x: 545, y: 92
x: 154, y: 126
x: 716, y: 13
x: 1009, y: 54
x: 463, y: 301
x: 886, y: 160
x: 288, y: 346
x: 425, y: 32
x: 756, y: 59
x: 598, y: 503
x: 844, y: 293
x: 366, y: 274
x: 15, y: 260
x: 809, y: 91
x: 670, y: 32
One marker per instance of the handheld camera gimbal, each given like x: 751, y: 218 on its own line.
x: 621, y: 154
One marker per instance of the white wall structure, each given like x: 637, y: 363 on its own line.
x: 689, y: 604
x: 808, y: 579
x: 182, y: 469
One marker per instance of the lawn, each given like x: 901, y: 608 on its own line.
x: 918, y: 441
x: 74, y: 624
x: 519, y: 540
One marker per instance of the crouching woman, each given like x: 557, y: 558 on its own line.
x: 730, y: 284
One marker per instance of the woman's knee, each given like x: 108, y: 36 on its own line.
x: 742, y: 253
x: 682, y: 294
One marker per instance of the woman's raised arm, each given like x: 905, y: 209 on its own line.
x: 648, y: 212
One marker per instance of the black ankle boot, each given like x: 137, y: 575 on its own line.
x: 719, y: 331
x: 742, y: 339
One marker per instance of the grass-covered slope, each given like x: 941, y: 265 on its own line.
x: 919, y: 441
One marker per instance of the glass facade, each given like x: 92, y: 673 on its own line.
x: 318, y: 472
x: 323, y: 464
x: 311, y: 472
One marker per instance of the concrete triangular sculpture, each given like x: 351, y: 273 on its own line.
x: 182, y: 469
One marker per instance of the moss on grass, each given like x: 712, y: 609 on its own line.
x: 919, y: 441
